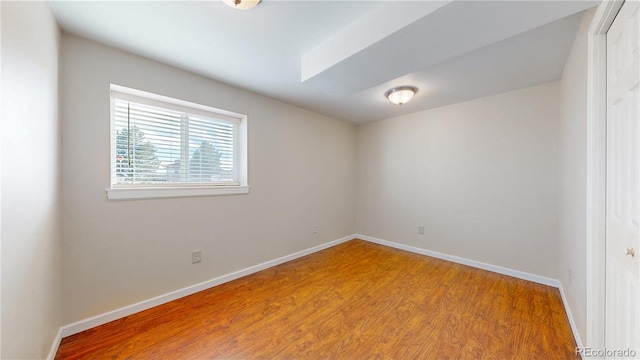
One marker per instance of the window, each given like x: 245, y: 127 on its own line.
x: 163, y: 147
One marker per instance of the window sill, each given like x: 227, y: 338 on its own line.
x: 115, y: 194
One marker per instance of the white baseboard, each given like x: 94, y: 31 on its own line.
x: 493, y: 268
x: 101, y: 319
x: 54, y: 347
x: 89, y: 323
x: 567, y: 309
x: 476, y: 264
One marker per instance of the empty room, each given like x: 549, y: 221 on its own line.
x: 247, y: 179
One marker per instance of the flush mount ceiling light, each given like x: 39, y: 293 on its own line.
x: 401, y: 95
x: 242, y: 4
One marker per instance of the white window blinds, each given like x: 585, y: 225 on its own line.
x: 162, y: 144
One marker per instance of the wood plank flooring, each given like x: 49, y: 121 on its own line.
x: 356, y: 300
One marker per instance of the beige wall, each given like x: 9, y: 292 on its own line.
x: 31, y: 262
x: 481, y: 176
x: 573, y: 171
x: 301, y: 172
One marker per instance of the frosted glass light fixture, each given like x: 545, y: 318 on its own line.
x: 242, y: 4
x: 401, y: 95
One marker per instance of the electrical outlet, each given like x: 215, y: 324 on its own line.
x: 196, y: 256
x: 421, y: 229
x: 314, y: 229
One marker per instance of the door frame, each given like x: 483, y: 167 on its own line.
x: 597, y: 169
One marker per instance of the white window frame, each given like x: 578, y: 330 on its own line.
x: 147, y: 191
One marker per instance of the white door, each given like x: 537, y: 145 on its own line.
x: 623, y: 199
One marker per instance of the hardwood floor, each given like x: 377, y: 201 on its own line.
x: 356, y: 300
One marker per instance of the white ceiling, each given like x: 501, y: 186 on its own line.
x: 339, y: 57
